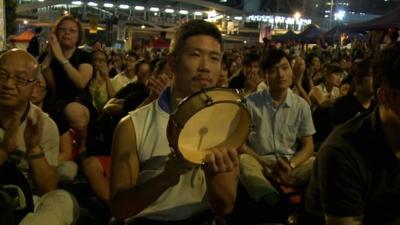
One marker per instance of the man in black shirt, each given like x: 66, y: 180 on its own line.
x: 251, y: 65
x: 360, y: 101
x: 356, y: 177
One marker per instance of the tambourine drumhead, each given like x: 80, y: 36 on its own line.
x: 198, y: 127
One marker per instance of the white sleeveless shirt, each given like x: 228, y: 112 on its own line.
x: 181, y: 201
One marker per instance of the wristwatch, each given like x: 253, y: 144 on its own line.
x: 31, y: 156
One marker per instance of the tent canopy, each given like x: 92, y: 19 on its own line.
x: 25, y: 36
x: 333, y: 34
x: 288, y: 36
x: 311, y: 34
x: 389, y: 20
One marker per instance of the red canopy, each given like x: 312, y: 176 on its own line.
x: 25, y: 36
x: 159, y: 43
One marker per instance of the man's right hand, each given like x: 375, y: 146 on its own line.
x: 11, y: 126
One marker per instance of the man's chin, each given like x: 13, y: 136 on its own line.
x: 202, y: 86
x: 8, y: 103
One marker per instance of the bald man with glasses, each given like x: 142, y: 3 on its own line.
x: 29, y: 140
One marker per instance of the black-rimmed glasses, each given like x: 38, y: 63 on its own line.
x: 19, y: 80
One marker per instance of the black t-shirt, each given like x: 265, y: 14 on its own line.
x: 134, y: 94
x: 65, y: 90
x: 346, y: 107
x: 113, y: 72
x: 237, y: 82
x: 356, y: 174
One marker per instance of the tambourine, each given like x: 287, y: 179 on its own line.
x: 208, y: 119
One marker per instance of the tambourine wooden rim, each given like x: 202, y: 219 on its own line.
x: 180, y: 117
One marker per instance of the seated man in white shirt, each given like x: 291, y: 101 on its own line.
x: 29, y: 139
x: 128, y: 75
x: 281, y: 119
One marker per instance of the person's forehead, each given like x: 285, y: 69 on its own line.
x: 283, y: 62
x: 13, y: 64
x: 197, y: 42
x: 68, y: 23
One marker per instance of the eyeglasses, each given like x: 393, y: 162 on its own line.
x: 64, y: 30
x: 19, y: 80
x: 40, y: 86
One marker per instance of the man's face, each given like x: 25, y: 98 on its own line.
x: 130, y: 61
x: 393, y: 104
x: 143, y: 72
x: 99, y: 60
x: 280, y: 76
x: 334, y: 79
x: 117, y: 60
x: 16, y: 79
x: 366, y: 85
x: 198, y: 64
x: 316, y: 63
x: 252, y: 69
x: 39, y: 91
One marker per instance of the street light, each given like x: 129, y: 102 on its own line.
x: 340, y: 15
x: 297, y: 15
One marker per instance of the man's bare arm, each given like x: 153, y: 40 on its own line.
x: 127, y: 197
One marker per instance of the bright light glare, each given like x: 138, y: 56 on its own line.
x: 92, y: 4
x: 124, y: 6
x: 340, y: 15
x: 108, y: 5
x: 139, y: 8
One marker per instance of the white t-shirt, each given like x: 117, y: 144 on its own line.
x: 49, y: 143
x: 120, y: 80
x: 185, y: 199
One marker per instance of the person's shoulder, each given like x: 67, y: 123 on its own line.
x: 256, y: 96
x: 345, y: 135
x: 49, y: 124
x: 117, y: 77
x: 146, y: 109
x: 81, y: 55
x: 298, y: 100
x: 82, y: 52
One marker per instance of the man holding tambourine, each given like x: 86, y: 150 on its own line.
x: 149, y: 184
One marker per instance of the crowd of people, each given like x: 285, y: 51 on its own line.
x: 78, y: 127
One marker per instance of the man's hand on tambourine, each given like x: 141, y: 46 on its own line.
x: 174, y: 168
x: 221, y: 160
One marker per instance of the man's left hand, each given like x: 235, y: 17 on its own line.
x: 34, y: 130
x: 222, y: 160
x: 282, y: 172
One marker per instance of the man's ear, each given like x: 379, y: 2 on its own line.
x: 383, y: 96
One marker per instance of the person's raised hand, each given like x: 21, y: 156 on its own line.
x: 34, y: 129
x: 221, y: 160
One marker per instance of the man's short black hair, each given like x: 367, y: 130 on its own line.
x: 273, y: 57
x: 386, y: 68
x: 192, y: 28
x: 333, y: 68
x: 250, y: 57
x: 362, y: 69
